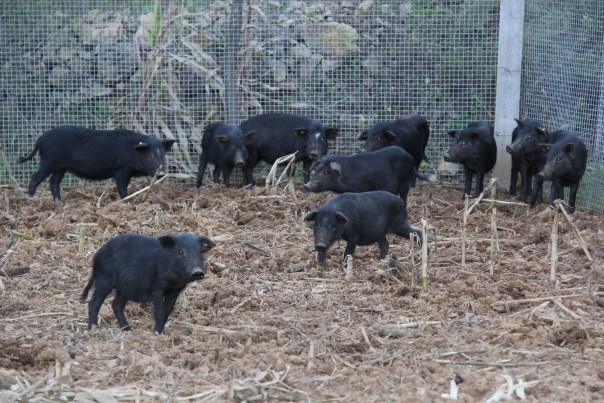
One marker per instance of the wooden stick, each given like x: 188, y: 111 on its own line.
x: 153, y: 179
x: 494, y: 240
x: 540, y: 299
x: 565, y: 309
x: 554, y: 253
x: 348, y: 264
x: 272, y: 175
x: 508, y: 363
x: 412, y: 240
x: 505, y: 203
x: 594, y: 264
x: 9, y: 170
x: 481, y: 195
x: 424, y: 255
x: 463, y: 231
x: 398, y: 330
x: 133, y: 195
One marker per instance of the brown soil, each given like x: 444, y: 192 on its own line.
x: 257, y: 329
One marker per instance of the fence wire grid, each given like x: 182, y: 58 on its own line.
x: 168, y: 68
x: 563, y: 77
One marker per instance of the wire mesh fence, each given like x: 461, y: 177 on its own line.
x: 563, y: 76
x: 168, y: 68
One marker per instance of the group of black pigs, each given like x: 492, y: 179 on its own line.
x: 372, y: 185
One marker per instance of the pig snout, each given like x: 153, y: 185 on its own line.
x: 239, y: 162
x: 312, y: 186
x: 508, y: 149
x: 447, y: 157
x: 313, y: 155
x: 541, y: 176
x: 320, y: 247
x: 197, y: 274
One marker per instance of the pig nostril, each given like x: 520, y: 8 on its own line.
x: 239, y: 164
x: 320, y: 247
x: 508, y: 149
x: 314, y: 156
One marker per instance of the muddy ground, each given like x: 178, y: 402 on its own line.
x: 253, y: 330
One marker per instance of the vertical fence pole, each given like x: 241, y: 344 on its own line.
x: 509, y: 63
x: 232, y: 96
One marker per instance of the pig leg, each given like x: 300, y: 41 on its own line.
x: 557, y: 192
x: 383, y: 247
x: 101, y: 291
x: 216, y: 174
x: 572, y: 197
x: 226, y: 175
x: 248, y: 169
x: 306, y: 165
x: 468, y: 184
x: 201, y: 170
x: 36, y: 179
x: 122, y: 179
x: 539, y: 192
x: 118, y: 305
x: 170, y: 298
x: 537, y: 185
x: 403, y: 190
x: 350, y: 247
x: 514, y: 181
x: 525, y: 185
x: 159, y: 310
x: 55, y: 183
x: 479, y: 184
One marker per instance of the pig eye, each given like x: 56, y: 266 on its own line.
x: 558, y: 159
x: 326, y: 172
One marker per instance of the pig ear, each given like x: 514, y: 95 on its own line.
x: 388, y: 133
x: 452, y: 133
x: 520, y: 122
x: 301, y: 132
x: 206, y: 244
x: 341, y: 218
x: 363, y: 136
x: 141, y: 146
x: 223, y: 139
x: 249, y: 136
x: 474, y: 135
x: 541, y: 132
x: 168, y: 144
x: 337, y: 167
x: 167, y: 241
x: 332, y: 132
x: 311, y: 216
x: 545, y: 147
x: 569, y: 148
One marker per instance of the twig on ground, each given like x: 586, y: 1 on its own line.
x: 594, y: 265
x: 257, y: 249
x: 133, y: 195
